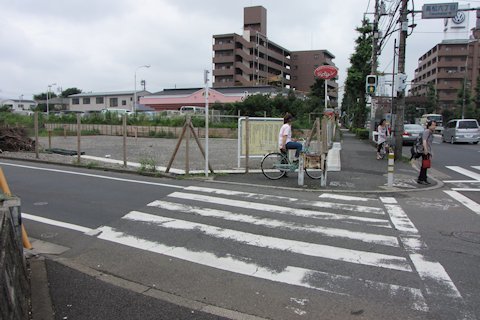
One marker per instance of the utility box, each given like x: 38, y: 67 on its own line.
x: 313, y: 161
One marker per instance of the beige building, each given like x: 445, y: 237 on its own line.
x: 448, y: 65
x: 253, y: 59
x: 96, y: 101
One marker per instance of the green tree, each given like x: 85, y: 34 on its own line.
x: 360, y: 66
x: 432, y: 99
x: 65, y: 93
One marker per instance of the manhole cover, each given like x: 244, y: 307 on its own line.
x: 473, y: 237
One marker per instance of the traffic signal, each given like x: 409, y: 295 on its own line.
x: 371, y: 84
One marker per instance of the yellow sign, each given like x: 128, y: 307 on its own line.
x: 263, y: 135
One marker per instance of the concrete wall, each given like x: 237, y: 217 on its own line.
x: 14, y: 283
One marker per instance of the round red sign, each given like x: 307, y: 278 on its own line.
x: 326, y: 72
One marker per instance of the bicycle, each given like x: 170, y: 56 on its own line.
x: 386, y: 148
x: 275, y: 165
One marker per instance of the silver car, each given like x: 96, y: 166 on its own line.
x: 461, y: 130
x: 411, y: 132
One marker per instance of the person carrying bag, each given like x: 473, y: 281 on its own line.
x: 427, y: 141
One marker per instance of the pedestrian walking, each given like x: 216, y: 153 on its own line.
x: 427, y: 141
x: 382, y: 137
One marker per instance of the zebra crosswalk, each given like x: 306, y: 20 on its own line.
x: 473, y: 183
x: 337, y: 244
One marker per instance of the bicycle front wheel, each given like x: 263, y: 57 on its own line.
x: 314, y: 173
x: 272, y: 165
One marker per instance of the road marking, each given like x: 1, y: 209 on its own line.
x: 466, y: 189
x: 282, y: 209
x: 467, y: 202
x: 256, y: 196
x: 307, y: 278
x: 389, y: 200
x: 321, y: 204
x: 293, y: 246
x: 94, y: 176
x: 438, y: 284
x: 278, y: 224
x: 56, y: 223
x: 344, y: 198
x: 468, y: 173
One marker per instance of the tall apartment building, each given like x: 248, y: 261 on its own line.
x: 252, y: 59
x: 448, y: 65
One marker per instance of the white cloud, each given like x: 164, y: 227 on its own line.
x: 98, y: 45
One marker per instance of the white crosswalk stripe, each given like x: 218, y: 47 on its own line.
x: 474, y: 181
x: 288, y: 228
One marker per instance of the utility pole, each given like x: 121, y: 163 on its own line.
x: 398, y: 129
x: 374, y: 66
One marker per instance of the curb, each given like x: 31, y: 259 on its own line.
x: 153, y: 292
x: 41, y: 300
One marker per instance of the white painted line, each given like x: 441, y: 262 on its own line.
x: 466, y: 189
x: 467, y: 202
x: 293, y: 246
x: 468, y: 173
x: 282, y: 209
x: 278, y: 224
x: 93, y: 175
x: 439, y: 287
x: 389, y: 200
x: 462, y: 181
x: 301, y: 277
x: 345, y: 207
x: 476, y: 167
x: 240, y: 194
x: 329, y: 205
x: 342, y: 197
x: 56, y: 223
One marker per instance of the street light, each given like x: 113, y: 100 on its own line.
x: 135, y: 91
x: 48, y: 93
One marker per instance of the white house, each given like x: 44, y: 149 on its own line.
x: 94, y: 101
x: 19, y: 105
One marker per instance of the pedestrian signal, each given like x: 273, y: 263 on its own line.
x: 371, y: 84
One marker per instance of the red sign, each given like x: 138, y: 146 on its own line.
x: 326, y: 72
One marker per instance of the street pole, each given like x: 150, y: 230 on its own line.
x: 48, y: 93
x: 374, y: 64
x: 206, y: 122
x: 135, y: 88
x: 398, y: 131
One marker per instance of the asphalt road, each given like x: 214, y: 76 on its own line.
x: 272, y: 253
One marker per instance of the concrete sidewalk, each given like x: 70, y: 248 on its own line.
x: 55, y: 284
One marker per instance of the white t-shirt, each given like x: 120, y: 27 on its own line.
x: 382, y: 134
x: 285, y: 130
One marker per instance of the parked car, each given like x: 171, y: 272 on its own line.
x: 461, y: 130
x: 411, y: 132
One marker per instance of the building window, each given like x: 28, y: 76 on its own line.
x: 113, y: 102
x: 75, y: 101
x: 316, y: 57
x: 99, y: 100
x: 124, y: 102
x: 86, y: 100
x: 295, y: 57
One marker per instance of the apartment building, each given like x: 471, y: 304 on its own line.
x: 253, y: 59
x: 95, y: 101
x: 447, y: 66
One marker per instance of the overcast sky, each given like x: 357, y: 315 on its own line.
x: 97, y: 45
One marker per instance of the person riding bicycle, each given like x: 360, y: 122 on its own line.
x: 285, y: 141
x: 382, y: 137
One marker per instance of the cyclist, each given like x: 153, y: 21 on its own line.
x: 382, y: 137
x: 285, y: 141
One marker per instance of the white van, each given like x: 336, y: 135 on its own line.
x: 192, y: 109
x: 461, y: 130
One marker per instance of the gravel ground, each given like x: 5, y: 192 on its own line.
x: 222, y: 152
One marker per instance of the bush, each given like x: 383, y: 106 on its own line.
x: 362, y: 133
